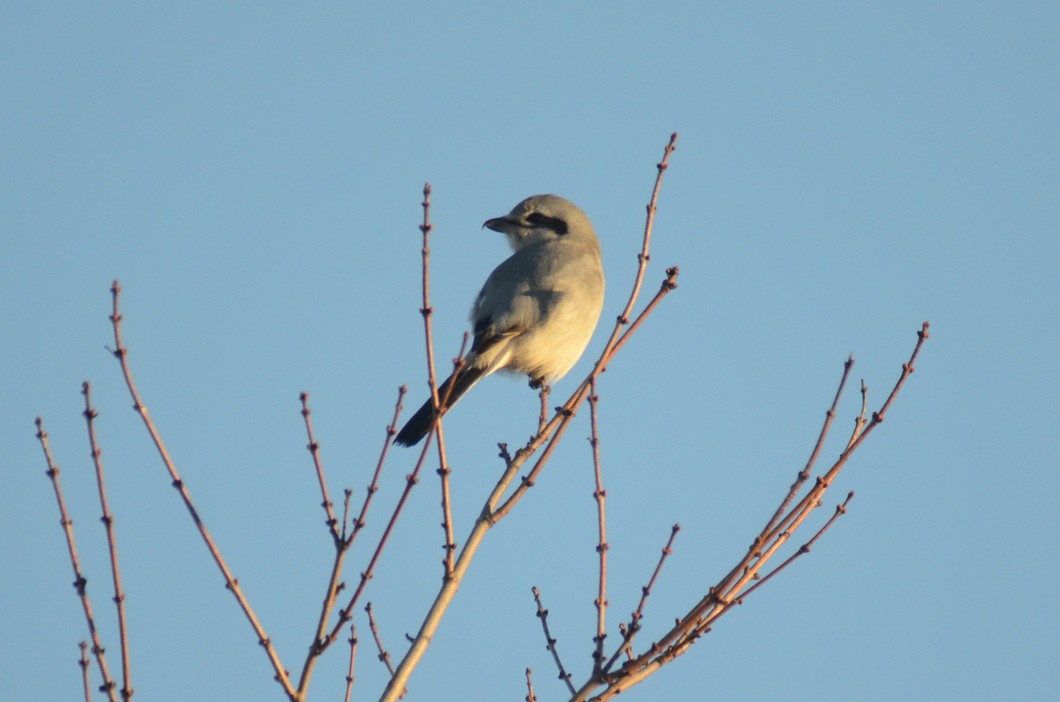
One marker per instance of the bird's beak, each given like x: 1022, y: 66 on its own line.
x: 498, y: 224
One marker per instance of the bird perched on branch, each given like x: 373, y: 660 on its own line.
x: 537, y: 310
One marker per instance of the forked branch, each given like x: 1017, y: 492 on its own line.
x: 747, y: 576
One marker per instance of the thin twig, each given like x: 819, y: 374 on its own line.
x: 444, y: 472
x: 840, y: 510
x: 542, y: 614
x: 347, y: 493
x: 643, y: 257
x: 314, y: 451
x: 629, y: 631
x: 373, y: 487
x: 859, y: 421
x: 411, y: 479
x: 668, y: 285
x: 321, y: 638
x: 600, y: 495
x: 83, y: 662
x: 90, y: 415
x: 80, y: 583
x: 426, y: 310
x: 530, y: 696
x: 353, y: 656
x: 383, y: 655
x: 737, y: 584
x: 231, y: 583
x: 821, y: 436
x: 432, y: 382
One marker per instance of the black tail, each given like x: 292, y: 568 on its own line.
x: 423, y: 421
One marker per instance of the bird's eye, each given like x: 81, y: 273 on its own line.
x: 556, y: 224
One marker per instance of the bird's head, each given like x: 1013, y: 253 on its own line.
x: 543, y: 218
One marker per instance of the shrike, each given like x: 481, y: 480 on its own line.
x: 537, y: 310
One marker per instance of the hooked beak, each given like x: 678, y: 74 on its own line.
x: 498, y: 224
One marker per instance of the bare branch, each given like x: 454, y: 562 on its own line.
x: 859, y: 421
x: 347, y: 493
x: 840, y: 510
x: 542, y: 614
x: 600, y: 495
x: 805, y: 472
x: 530, y: 696
x: 353, y: 656
x: 80, y: 583
x: 737, y: 584
x: 643, y: 257
x: 90, y: 415
x: 373, y: 487
x: 321, y: 639
x: 314, y: 451
x: 83, y: 662
x: 231, y: 583
x: 426, y: 310
x: 444, y: 471
x: 411, y: 480
x: 383, y: 655
x: 629, y: 631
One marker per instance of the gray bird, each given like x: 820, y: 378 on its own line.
x: 537, y: 310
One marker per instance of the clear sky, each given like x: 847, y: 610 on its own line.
x: 251, y: 173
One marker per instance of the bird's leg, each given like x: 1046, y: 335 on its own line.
x: 542, y: 419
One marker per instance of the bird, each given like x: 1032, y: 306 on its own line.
x: 536, y: 311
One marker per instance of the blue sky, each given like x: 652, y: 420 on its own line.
x: 252, y: 173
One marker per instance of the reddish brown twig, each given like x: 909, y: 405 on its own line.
x: 231, y: 583
x: 530, y: 696
x: 542, y: 614
x: 801, y: 478
x: 432, y: 382
x: 840, y: 510
x: 384, y: 656
x: 80, y: 583
x: 353, y: 656
x: 426, y: 310
x: 314, y: 450
x: 643, y: 257
x: 322, y: 638
x: 83, y: 662
x: 411, y: 479
x: 347, y: 493
x: 600, y: 495
x: 373, y: 487
x: 629, y: 631
x: 746, y: 576
x: 444, y: 472
x: 859, y: 421
x: 90, y: 415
